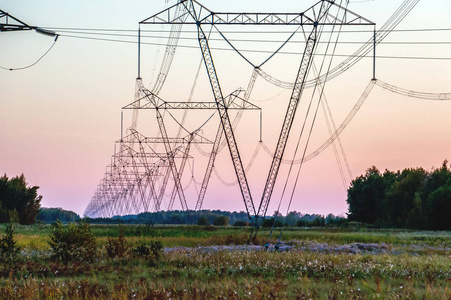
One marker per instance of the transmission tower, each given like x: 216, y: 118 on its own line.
x: 130, y: 183
x: 323, y: 13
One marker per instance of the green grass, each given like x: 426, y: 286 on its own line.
x: 199, y: 235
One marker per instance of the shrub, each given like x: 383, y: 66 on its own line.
x: 117, y: 247
x: 268, y: 223
x: 74, y: 242
x: 148, y: 250
x: 221, y: 221
x: 241, y: 223
x: 209, y: 228
x: 301, y: 223
x: 317, y: 222
x: 202, y: 221
x: 8, y: 247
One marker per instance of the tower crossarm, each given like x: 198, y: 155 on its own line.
x: 238, y: 103
x: 208, y: 17
x: 149, y: 140
x: 206, y: 105
x: 10, y: 23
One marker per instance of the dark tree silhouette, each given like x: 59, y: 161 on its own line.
x: 413, y: 198
x: 18, y: 202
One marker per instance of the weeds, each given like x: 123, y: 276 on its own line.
x: 117, y: 247
x: 150, y: 250
x: 76, y: 242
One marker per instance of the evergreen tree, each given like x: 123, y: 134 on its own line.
x: 18, y: 201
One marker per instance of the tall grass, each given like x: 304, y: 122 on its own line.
x: 36, y: 237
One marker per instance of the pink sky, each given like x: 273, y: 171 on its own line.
x: 59, y: 119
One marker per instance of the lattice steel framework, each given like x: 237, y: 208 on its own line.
x: 10, y: 23
x: 323, y: 13
x: 130, y: 182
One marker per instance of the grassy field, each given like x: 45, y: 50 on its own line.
x: 214, y: 262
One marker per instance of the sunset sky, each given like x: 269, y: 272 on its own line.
x: 60, y: 118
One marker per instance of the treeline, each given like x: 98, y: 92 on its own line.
x: 222, y: 218
x: 18, y: 202
x: 413, y: 198
x: 175, y: 217
x: 50, y: 215
x: 298, y: 219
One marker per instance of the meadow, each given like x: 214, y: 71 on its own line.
x: 205, y: 262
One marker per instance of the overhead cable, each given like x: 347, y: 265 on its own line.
x: 248, y: 167
x: 39, y: 59
x: 134, y: 36
x: 337, y: 132
x: 413, y: 94
x: 362, y: 52
x: 265, y: 51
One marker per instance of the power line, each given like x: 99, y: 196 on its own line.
x: 258, y: 40
x: 31, y: 65
x: 256, y: 51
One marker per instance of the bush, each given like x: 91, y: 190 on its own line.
x: 209, y: 228
x: 301, y: 223
x: 8, y: 247
x: 241, y: 223
x: 75, y: 242
x: 117, y: 247
x: 317, y: 222
x: 148, y: 250
x: 202, y: 221
x: 268, y: 223
x: 221, y: 221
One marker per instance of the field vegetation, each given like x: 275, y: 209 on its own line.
x: 204, y: 262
